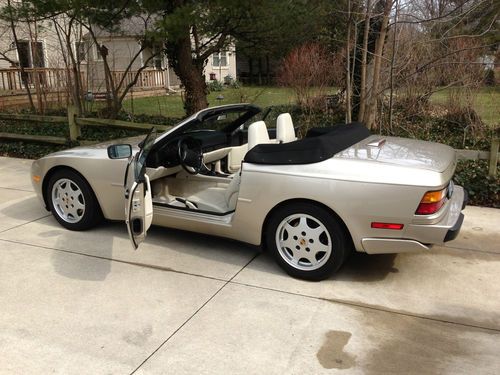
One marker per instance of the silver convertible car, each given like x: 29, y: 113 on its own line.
x: 309, y: 201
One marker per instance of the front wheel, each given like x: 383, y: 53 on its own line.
x: 307, y: 241
x: 72, y: 201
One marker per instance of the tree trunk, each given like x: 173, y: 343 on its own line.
x: 364, y: 63
x: 268, y: 72
x: 190, y: 72
x: 377, y: 63
x: 77, y: 84
x: 393, y: 59
x: 260, y: 71
x: 348, y: 66
x: 250, y: 70
x: 24, y: 76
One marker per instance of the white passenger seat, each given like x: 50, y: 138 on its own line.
x: 285, y: 131
x: 257, y: 134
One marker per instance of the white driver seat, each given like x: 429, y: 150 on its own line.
x: 257, y: 134
x: 285, y: 131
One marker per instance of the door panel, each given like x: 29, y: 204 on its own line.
x: 139, y: 215
x: 139, y: 201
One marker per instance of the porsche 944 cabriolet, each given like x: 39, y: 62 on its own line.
x: 309, y: 201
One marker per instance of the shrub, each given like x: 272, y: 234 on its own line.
x: 309, y: 72
x: 215, y: 86
x: 473, y: 176
x: 489, y: 78
x: 452, y: 128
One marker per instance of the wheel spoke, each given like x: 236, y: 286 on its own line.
x: 309, y: 256
x: 303, y: 226
x: 288, y: 243
x: 319, y: 249
x: 315, y: 233
x: 78, y: 204
x: 291, y: 230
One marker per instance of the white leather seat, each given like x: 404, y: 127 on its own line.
x: 257, y: 133
x: 218, y: 199
x: 284, y: 128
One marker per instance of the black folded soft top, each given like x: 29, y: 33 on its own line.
x: 319, y: 144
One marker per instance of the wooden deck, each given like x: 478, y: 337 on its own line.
x: 52, y: 85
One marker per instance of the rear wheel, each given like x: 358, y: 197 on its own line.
x: 307, y: 241
x: 72, y: 201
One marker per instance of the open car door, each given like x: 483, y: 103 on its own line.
x: 138, y: 198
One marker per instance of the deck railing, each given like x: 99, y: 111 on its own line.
x: 147, y: 78
x: 14, y: 80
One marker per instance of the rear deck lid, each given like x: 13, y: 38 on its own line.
x: 402, y: 152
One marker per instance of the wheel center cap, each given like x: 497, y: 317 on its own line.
x: 302, y: 242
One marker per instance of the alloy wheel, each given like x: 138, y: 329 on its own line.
x: 303, y: 242
x: 68, y: 200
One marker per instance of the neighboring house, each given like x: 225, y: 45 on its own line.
x: 40, y: 48
x: 256, y: 69
x: 221, y: 65
x: 488, y: 62
x: 124, y: 50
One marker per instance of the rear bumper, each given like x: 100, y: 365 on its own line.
x: 453, y: 231
x: 420, y: 237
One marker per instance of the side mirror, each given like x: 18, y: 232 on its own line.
x: 122, y: 151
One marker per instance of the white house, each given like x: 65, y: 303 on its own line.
x: 40, y: 48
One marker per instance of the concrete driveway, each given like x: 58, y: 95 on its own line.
x: 85, y: 302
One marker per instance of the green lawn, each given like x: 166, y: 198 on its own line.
x: 171, y: 106
x: 486, y: 101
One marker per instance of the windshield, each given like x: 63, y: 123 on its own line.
x: 225, y: 119
x: 218, y: 122
x: 145, y: 146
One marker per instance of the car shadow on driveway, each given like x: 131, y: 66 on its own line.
x: 164, y: 248
x: 359, y: 267
x: 367, y: 267
x: 80, y: 266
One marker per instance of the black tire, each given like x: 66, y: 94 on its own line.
x: 82, y: 218
x: 328, y: 233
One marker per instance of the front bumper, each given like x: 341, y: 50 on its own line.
x: 37, y: 180
x: 420, y: 237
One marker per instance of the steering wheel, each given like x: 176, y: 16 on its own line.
x: 190, y: 154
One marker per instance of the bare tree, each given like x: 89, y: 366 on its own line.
x: 364, y: 62
x: 371, y: 107
x: 308, y: 71
x: 13, y: 20
x: 118, y: 89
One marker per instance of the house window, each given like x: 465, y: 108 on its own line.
x: 38, y: 54
x: 31, y: 57
x: 219, y: 59
x: 97, y: 51
x: 81, y: 51
x: 23, y: 51
x: 156, y: 61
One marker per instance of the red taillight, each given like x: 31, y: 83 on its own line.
x: 394, y: 226
x: 431, y: 202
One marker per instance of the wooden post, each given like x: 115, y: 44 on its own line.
x: 495, y: 142
x: 74, y: 129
